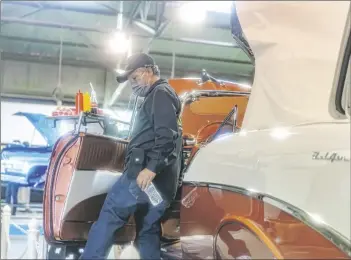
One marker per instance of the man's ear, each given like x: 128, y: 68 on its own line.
x: 149, y: 70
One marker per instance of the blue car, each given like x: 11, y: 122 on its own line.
x: 24, y: 164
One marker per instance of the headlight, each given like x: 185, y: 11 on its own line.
x: 15, y: 166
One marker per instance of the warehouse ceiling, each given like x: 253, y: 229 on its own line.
x: 35, y: 31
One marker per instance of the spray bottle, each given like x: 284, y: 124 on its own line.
x: 79, y: 102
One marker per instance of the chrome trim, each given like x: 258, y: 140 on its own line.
x: 235, y: 119
x: 189, y: 97
x: 328, y: 232
x: 189, y: 141
x: 80, y: 120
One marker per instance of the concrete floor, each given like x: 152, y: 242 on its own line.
x: 18, y: 238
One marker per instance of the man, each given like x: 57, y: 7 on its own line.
x: 153, y: 155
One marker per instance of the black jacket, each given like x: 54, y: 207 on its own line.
x: 156, y: 140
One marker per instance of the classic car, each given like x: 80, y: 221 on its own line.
x: 280, y: 188
x: 24, y: 163
x: 277, y: 189
x: 85, y: 164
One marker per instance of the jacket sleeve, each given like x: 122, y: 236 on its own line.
x: 163, y: 113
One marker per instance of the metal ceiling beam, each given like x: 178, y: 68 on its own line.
x: 83, y: 45
x: 160, y: 26
x: 59, y: 5
x: 81, y: 8
x: 25, y: 15
x: 53, y: 60
x: 101, y: 30
x: 107, y: 6
x: 52, y: 25
x: 158, y: 33
x: 134, y: 13
x: 160, y: 11
x: 42, y: 41
x: 144, y: 12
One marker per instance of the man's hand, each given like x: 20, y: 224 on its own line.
x: 145, y: 177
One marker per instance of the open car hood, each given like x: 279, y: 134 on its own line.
x: 295, y: 58
x: 41, y: 124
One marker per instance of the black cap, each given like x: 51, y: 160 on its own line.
x: 134, y: 62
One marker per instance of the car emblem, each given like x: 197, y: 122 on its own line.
x: 329, y: 156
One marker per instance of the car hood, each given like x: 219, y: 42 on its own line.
x: 41, y: 124
x: 296, y: 48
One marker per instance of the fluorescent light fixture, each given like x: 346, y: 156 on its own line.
x: 145, y: 27
x: 118, y: 43
x: 195, y: 12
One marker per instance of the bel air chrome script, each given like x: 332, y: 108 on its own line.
x: 332, y: 157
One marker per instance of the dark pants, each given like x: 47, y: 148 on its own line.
x: 12, y: 191
x: 124, y: 199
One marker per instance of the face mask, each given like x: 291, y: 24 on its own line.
x: 141, y: 89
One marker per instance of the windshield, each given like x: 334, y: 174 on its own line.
x: 64, y: 126
x: 123, y: 109
x: 125, y: 113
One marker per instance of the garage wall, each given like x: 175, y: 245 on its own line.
x: 41, y: 79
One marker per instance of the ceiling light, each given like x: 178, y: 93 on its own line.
x: 118, y: 43
x: 218, y: 6
x: 193, y: 12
